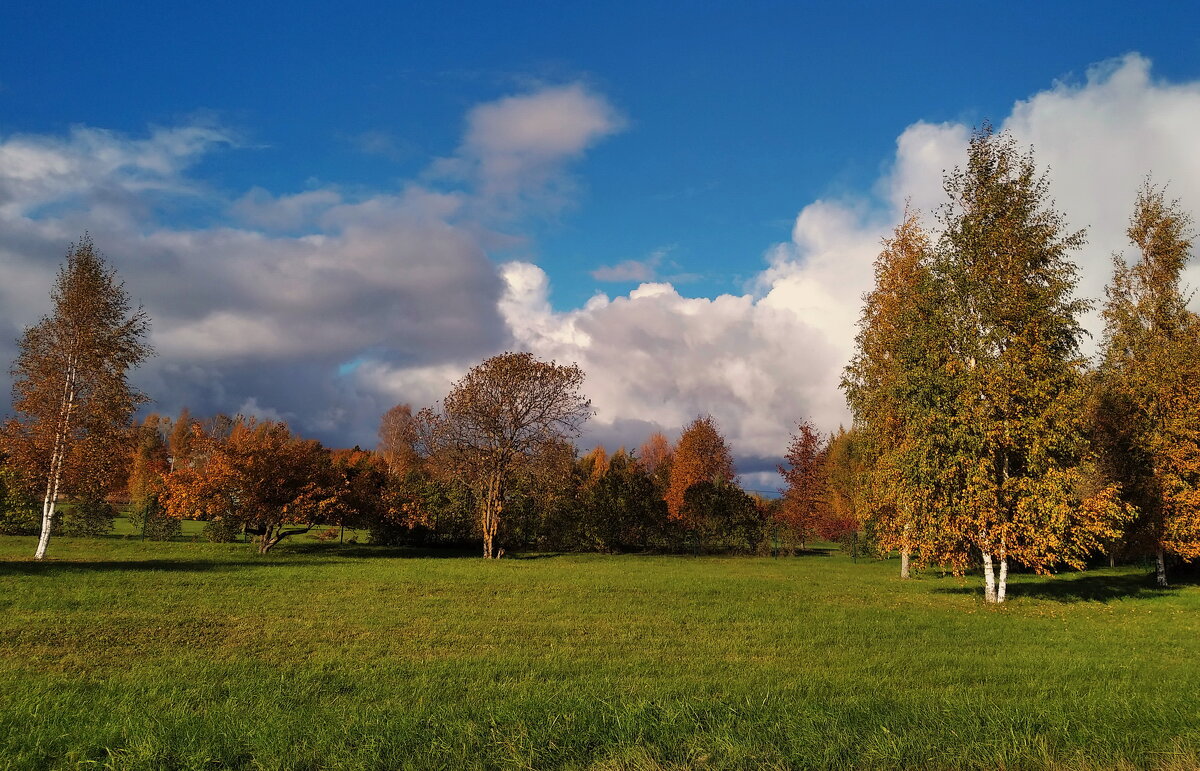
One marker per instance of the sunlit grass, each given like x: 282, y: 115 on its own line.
x: 191, y: 655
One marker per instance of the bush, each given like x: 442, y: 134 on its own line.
x: 221, y: 531
x: 19, y: 520
x: 88, y: 518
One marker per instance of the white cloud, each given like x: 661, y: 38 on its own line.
x: 761, y: 361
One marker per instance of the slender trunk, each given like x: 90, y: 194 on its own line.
x: 989, y: 579
x: 57, y: 456
x: 1002, y: 584
x: 1160, y: 565
x: 904, y: 557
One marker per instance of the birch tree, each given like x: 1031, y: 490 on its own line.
x: 72, y: 400
x: 1150, y: 383
x: 498, y: 422
x: 1012, y: 476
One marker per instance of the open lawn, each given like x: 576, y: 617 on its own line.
x: 191, y: 655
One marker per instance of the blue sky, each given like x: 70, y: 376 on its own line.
x: 708, y: 131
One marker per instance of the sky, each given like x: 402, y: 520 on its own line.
x: 328, y: 209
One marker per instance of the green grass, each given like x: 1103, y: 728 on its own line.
x: 189, y: 655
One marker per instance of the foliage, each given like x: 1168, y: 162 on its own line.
x: 805, y: 505
x: 700, y: 456
x: 502, y: 424
x: 259, y: 476
x: 722, y: 518
x: 1148, y: 404
x: 896, y: 379
x: 88, y: 518
x: 398, y: 438
x: 72, y: 400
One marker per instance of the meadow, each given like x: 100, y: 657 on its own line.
x: 125, y: 654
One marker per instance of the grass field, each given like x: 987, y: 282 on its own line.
x: 125, y: 654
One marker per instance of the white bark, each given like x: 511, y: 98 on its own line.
x: 1002, y: 584
x: 989, y: 579
x: 57, y: 457
x: 904, y: 563
x: 1160, y: 567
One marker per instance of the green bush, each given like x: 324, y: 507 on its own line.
x: 221, y: 531
x: 88, y: 518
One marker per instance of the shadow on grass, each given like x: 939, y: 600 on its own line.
x: 1082, y: 588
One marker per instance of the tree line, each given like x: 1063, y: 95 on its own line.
x: 982, y: 437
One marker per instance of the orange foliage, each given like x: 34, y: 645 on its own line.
x: 700, y: 456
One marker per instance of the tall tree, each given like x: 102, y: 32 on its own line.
x: 1150, y: 382
x: 700, y: 456
x: 888, y: 384
x: 1011, y: 481
x: 73, y: 402
x: 499, y: 422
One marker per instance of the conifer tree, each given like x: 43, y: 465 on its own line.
x: 1150, y: 382
x: 73, y: 401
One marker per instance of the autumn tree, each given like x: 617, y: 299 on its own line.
x: 846, y: 472
x: 1010, y: 476
x: 656, y: 456
x: 806, y: 495
x: 398, y: 440
x: 497, y: 421
x: 700, y: 456
x: 1150, y: 382
x: 72, y: 400
x: 890, y: 383
x: 260, y: 476
x: 150, y: 464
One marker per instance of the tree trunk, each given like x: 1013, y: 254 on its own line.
x: 1002, y: 584
x: 492, y: 505
x: 57, y: 456
x: 989, y: 579
x: 905, y: 554
x: 1160, y: 565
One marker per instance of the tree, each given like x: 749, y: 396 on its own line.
x: 1150, y: 382
x: 891, y: 380
x: 656, y: 456
x: 497, y: 421
x: 150, y: 464
x: 398, y: 440
x: 73, y: 401
x: 700, y: 456
x: 1010, y: 473
x: 259, y: 476
x: 806, y: 497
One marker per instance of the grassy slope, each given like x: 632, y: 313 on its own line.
x: 150, y: 655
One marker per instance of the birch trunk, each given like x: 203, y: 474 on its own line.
x: 904, y: 556
x: 1002, y: 583
x: 1160, y: 567
x: 989, y: 579
x: 57, y: 456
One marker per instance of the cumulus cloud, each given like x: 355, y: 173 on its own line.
x: 515, y: 148
x: 331, y: 307
x: 639, y: 271
x: 763, y: 360
x: 319, y: 306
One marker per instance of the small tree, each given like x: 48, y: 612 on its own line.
x: 806, y: 498
x: 398, y: 440
x: 261, y: 477
x: 700, y: 456
x: 70, y: 392
x: 497, y: 420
